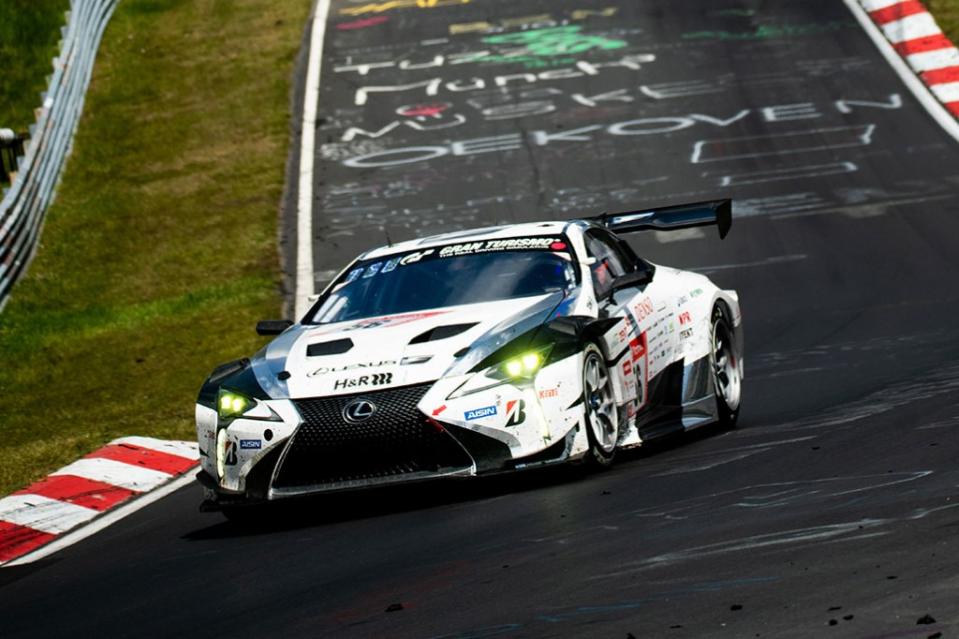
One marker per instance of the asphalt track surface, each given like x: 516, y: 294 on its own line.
x: 830, y: 511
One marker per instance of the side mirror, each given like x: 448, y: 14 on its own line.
x: 630, y: 280
x: 272, y: 327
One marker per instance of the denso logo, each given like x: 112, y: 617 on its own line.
x: 643, y: 309
x: 477, y: 413
x: 323, y: 370
x: 376, y: 379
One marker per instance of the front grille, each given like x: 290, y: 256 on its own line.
x: 395, y: 441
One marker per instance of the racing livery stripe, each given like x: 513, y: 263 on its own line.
x: 139, y: 456
x: 76, y: 494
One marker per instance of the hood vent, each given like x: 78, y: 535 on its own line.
x: 442, y: 332
x: 336, y: 347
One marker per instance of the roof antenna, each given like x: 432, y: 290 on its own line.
x: 389, y: 242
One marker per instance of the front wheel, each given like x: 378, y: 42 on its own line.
x: 725, y: 364
x: 602, y: 417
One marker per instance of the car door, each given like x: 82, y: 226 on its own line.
x: 643, y: 347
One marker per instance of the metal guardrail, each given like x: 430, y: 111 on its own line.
x: 25, y: 202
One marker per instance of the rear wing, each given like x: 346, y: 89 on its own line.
x: 670, y: 218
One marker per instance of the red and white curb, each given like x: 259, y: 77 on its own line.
x: 914, y: 34
x: 916, y: 48
x: 90, y: 494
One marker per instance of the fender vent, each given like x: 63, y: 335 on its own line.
x: 329, y: 348
x: 441, y: 332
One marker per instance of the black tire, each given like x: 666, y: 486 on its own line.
x: 724, y: 363
x: 602, y: 416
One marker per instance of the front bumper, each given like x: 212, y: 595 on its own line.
x: 413, y: 435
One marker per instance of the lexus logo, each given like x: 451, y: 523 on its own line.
x: 359, y: 410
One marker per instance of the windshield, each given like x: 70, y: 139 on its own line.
x: 467, y: 273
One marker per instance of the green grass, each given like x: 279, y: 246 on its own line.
x: 29, y: 32
x: 947, y: 15
x: 159, y: 254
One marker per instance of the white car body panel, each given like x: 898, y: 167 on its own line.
x: 663, y: 328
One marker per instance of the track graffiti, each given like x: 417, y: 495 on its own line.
x: 704, y: 150
x: 768, y: 32
x: 538, y: 47
x: 362, y: 23
x: 389, y: 5
x: 530, y: 22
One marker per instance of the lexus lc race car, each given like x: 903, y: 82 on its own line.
x: 475, y: 352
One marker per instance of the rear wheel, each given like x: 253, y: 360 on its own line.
x: 725, y: 365
x: 602, y: 416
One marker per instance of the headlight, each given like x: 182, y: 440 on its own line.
x: 230, y: 404
x: 517, y: 369
x: 524, y: 366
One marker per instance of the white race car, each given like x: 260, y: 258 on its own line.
x: 475, y: 352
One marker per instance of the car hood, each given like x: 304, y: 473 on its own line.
x: 393, y: 350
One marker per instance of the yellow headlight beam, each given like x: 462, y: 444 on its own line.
x: 525, y: 365
x: 530, y: 362
x: 232, y: 404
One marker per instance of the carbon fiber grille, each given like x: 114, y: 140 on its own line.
x: 396, y: 440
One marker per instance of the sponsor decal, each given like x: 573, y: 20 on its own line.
x: 643, y: 309
x: 323, y: 370
x: 683, y: 299
x: 515, y: 412
x: 685, y: 318
x: 546, y: 393
x: 696, y: 292
x: 437, y: 411
x: 229, y: 453
x: 479, y: 413
x: 390, y: 266
x: 376, y: 379
x: 686, y: 333
x: 627, y: 367
x: 413, y: 258
x: 372, y: 269
x: 250, y: 444
x: 489, y: 246
x: 637, y: 346
x: 390, y: 320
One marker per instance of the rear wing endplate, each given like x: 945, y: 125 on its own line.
x: 670, y: 218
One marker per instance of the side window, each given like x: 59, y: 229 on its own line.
x: 610, y: 262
